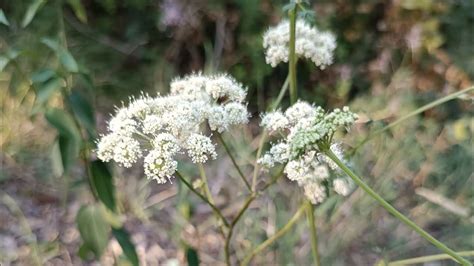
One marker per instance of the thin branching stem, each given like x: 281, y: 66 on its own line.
x: 276, y: 236
x: 246, y: 205
x: 394, y: 211
x: 263, y: 139
x: 204, y: 198
x: 314, y: 233
x: 429, y: 258
x: 227, y: 149
x: 440, y: 101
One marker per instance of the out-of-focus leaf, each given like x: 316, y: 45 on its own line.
x: 43, y: 75
x: 56, y: 160
x: 63, y: 122
x: 103, y: 184
x: 78, y: 9
x: 70, y: 149
x: 46, y: 90
x: 125, y: 242
x: 192, y: 256
x: 69, y: 135
x: 3, y: 18
x: 68, y: 61
x: 65, y: 57
x: 84, y: 112
x: 93, y: 229
x: 7, y: 57
x: 31, y: 11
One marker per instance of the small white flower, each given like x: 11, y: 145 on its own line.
x: 200, y: 148
x: 218, y: 118
x: 280, y: 152
x: 309, y: 43
x: 127, y: 151
x: 275, y: 121
x: 342, y: 186
x: 315, y: 192
x: 159, y: 166
x: 236, y: 113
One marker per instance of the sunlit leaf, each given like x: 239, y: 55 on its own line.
x: 46, y: 90
x: 68, y: 61
x: 3, y: 18
x: 125, y: 242
x: 93, y: 229
x: 31, y: 11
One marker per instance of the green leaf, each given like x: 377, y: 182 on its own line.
x: 43, y: 75
x: 31, y: 12
x: 192, y: 256
x: 103, y: 184
x: 128, y: 247
x: 69, y: 135
x: 7, y: 57
x: 78, y: 9
x: 84, y: 112
x: 69, y: 149
x: 3, y: 18
x: 63, y: 122
x: 45, y: 90
x: 68, y: 61
x: 93, y: 229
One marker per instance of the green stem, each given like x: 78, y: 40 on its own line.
x: 440, y: 101
x: 429, y: 258
x: 263, y: 138
x: 283, y: 90
x: 292, y: 55
x: 241, y: 174
x: 314, y: 233
x: 213, y: 207
x: 276, y: 236
x: 394, y: 211
x: 246, y: 205
x: 203, y: 175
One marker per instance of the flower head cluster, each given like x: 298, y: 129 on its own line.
x: 310, y: 43
x: 308, y: 132
x: 157, y: 129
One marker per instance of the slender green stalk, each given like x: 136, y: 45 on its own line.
x: 263, y: 138
x: 292, y: 55
x: 276, y: 236
x: 241, y: 174
x: 283, y: 90
x: 394, y: 211
x: 429, y: 258
x: 214, y: 208
x: 440, y: 101
x: 202, y: 172
x: 246, y: 205
x: 314, y: 233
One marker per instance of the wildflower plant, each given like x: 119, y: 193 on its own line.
x: 160, y: 131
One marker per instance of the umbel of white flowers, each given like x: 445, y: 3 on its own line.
x: 160, y: 128
x: 307, y: 131
x: 310, y: 43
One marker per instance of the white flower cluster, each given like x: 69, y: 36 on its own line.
x: 305, y: 127
x: 310, y: 43
x: 159, y: 128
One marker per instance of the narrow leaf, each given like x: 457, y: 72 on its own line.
x: 3, y: 18
x: 103, y: 184
x: 84, y: 112
x: 93, y: 229
x: 31, y: 12
x: 125, y: 242
x: 78, y: 9
x: 45, y: 90
x: 67, y: 60
x: 69, y: 148
x: 63, y: 122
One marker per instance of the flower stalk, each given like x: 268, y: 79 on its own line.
x: 276, y: 236
x: 394, y: 211
x: 292, y: 56
x: 314, y: 233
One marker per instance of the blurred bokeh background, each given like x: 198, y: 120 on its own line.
x: 392, y: 57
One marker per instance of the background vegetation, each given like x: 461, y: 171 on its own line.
x: 71, y: 61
